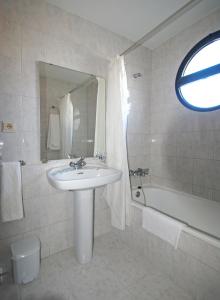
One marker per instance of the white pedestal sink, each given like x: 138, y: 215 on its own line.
x: 82, y: 182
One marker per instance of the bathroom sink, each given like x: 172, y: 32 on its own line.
x: 89, y: 177
x: 82, y: 183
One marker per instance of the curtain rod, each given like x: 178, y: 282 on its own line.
x: 188, y: 6
x: 92, y: 77
x: 83, y: 84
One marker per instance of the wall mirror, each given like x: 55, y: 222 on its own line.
x: 72, y: 113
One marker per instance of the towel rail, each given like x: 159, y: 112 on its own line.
x: 22, y: 162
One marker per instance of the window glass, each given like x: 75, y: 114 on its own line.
x: 203, y: 93
x: 198, y: 77
x: 207, y: 57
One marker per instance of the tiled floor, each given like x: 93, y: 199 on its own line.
x: 115, y: 273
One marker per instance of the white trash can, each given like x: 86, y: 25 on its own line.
x: 26, y: 259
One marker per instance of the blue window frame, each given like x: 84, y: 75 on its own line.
x: 198, y: 78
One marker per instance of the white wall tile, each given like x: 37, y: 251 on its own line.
x: 197, y: 143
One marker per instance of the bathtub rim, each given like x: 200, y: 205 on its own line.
x: 148, y: 185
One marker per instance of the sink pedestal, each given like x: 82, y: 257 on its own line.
x: 83, y: 224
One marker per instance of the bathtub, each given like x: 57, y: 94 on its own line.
x: 194, y: 264
x: 201, y: 215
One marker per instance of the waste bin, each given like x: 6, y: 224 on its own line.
x: 26, y: 259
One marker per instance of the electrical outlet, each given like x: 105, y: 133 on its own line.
x: 8, y: 127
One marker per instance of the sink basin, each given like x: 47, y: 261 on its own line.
x: 89, y: 177
x: 82, y: 183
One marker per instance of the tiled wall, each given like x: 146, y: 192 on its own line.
x: 138, y: 132
x: 185, y: 145
x: 32, y: 31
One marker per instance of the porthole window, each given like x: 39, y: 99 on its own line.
x: 198, y: 78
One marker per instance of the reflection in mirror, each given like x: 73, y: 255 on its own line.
x: 72, y: 113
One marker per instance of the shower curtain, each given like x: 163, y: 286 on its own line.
x: 66, y: 125
x: 99, y: 145
x: 118, y: 194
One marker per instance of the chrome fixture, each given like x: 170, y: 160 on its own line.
x: 22, y: 162
x: 138, y: 192
x: 139, y: 172
x: 137, y: 75
x: 101, y: 157
x: 79, y: 164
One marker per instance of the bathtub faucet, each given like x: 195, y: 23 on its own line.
x: 139, y: 172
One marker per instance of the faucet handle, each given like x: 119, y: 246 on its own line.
x: 139, y: 172
x: 101, y: 156
x: 146, y: 171
x: 81, y: 162
x: 73, y: 164
x: 78, y: 164
x: 81, y: 159
x: 131, y: 172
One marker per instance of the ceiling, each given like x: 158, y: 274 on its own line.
x: 134, y: 18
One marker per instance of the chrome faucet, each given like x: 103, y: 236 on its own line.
x: 139, y: 172
x: 101, y: 156
x: 78, y: 164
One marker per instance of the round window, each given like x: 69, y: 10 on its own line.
x: 198, y: 78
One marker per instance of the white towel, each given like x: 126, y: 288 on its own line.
x: 11, y: 192
x: 162, y: 226
x: 53, y: 137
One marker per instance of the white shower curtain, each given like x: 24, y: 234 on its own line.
x: 99, y: 145
x: 118, y: 194
x: 66, y: 125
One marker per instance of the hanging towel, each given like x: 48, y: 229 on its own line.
x: 166, y: 228
x: 53, y: 137
x: 11, y: 191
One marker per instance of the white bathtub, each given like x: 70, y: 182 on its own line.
x: 198, y: 213
x: 195, y: 264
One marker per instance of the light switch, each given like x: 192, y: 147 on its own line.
x: 8, y: 127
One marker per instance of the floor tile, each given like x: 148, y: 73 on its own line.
x: 116, y: 272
